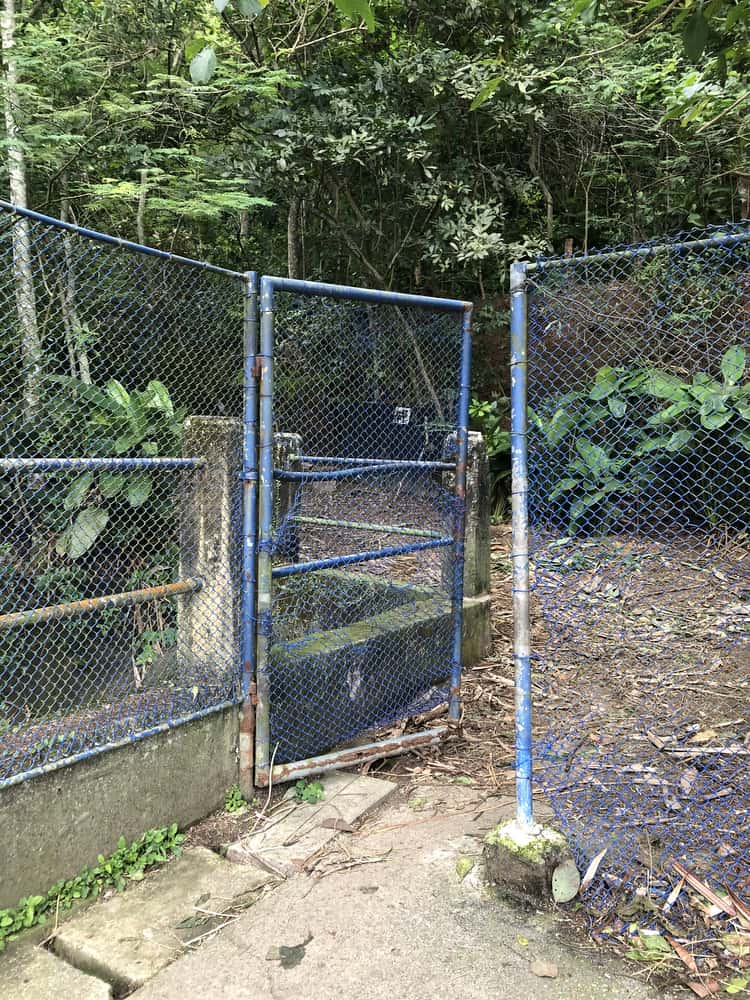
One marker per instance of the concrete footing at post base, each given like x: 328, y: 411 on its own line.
x: 524, y: 864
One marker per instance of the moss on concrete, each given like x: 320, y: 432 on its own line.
x: 526, y: 847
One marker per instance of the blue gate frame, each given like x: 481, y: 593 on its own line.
x: 259, y: 571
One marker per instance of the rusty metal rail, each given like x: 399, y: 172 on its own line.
x: 72, y: 609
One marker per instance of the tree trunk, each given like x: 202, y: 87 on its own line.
x: 31, y: 343
x: 140, y: 218
x: 536, y: 172
x: 75, y: 334
x: 294, y: 237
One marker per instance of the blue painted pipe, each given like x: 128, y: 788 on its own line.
x: 520, y: 553
x: 396, y: 463
x: 92, y: 234
x: 51, y: 464
x: 459, y: 521
x: 631, y: 252
x: 263, y: 756
x: 378, y: 296
x: 361, y: 470
x: 249, y: 536
x: 359, y: 557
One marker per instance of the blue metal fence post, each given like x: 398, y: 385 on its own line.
x: 520, y: 555
x: 249, y: 536
x: 263, y: 758
x: 459, y: 524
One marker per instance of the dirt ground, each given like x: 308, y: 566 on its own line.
x: 641, y: 730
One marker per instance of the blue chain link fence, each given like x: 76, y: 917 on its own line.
x: 144, y: 441
x: 363, y: 543
x: 639, y: 508
x: 107, y: 350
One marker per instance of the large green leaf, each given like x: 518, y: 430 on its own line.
x: 485, y: 92
x: 733, y: 364
x: 356, y: 10
x: 78, y: 490
x: 139, y: 489
x: 695, y: 35
x: 563, y: 486
x: 714, y: 411
x: 118, y: 393
x: 251, y: 8
x: 110, y: 484
x: 606, y: 382
x: 203, y: 66
x: 557, y: 428
x: 665, y: 416
x: 665, y: 386
x: 159, y: 398
x: 81, y: 535
x: 595, y: 457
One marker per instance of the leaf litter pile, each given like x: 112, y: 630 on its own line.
x: 642, y: 736
x: 642, y: 740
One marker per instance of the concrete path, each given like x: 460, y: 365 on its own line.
x: 395, y: 908
x: 385, y: 915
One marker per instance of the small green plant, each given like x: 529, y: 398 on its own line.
x: 492, y: 419
x: 308, y: 791
x: 127, y: 863
x: 234, y: 801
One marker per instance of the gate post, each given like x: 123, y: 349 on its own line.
x: 209, y: 537
x: 520, y: 553
x: 462, y: 444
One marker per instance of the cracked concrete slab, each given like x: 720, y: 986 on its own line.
x: 31, y: 973
x: 127, y: 939
x: 397, y: 918
x: 299, y: 830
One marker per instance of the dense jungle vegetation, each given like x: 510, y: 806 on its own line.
x: 402, y: 144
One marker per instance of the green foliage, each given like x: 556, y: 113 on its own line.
x: 308, y: 791
x: 234, y: 800
x: 492, y: 419
x: 121, y: 423
x: 704, y: 419
x: 127, y: 863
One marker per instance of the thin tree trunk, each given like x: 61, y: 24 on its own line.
x: 536, y: 171
x: 140, y: 218
x: 294, y: 237
x: 31, y: 343
x: 74, y: 331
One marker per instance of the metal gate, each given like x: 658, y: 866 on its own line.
x: 363, y: 407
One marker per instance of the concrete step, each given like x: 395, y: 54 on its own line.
x: 31, y: 973
x: 129, y: 938
x: 298, y: 830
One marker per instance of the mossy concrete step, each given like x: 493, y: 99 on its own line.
x: 127, y: 939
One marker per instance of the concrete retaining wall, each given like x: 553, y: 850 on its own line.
x: 54, y: 825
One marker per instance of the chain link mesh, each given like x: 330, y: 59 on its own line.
x: 106, y: 353
x: 366, y: 406
x: 639, y: 504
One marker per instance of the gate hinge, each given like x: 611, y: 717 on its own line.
x: 253, y: 693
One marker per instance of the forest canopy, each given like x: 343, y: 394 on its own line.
x: 398, y: 143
